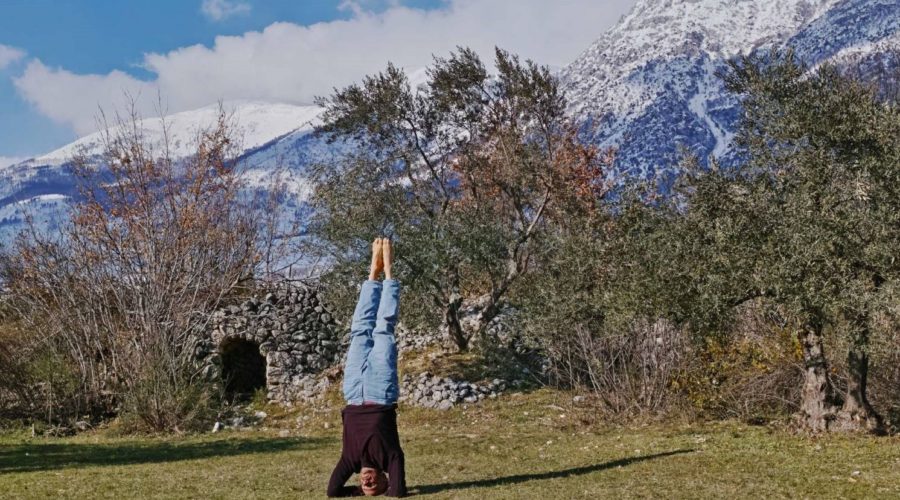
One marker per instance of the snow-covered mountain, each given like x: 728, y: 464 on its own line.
x: 647, y: 87
x: 275, y: 138
x: 257, y: 124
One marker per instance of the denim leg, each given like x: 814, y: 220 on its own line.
x: 360, y: 340
x: 380, y: 384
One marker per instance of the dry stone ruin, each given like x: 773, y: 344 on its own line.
x: 283, y: 341
x: 280, y: 342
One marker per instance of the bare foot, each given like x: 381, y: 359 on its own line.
x: 377, y: 259
x: 388, y: 253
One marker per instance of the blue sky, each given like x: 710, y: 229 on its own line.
x: 99, y: 36
x: 65, y: 58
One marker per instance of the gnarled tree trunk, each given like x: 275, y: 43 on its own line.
x: 857, y: 414
x: 454, y: 326
x: 818, y: 403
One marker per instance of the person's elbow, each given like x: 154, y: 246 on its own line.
x: 398, y: 478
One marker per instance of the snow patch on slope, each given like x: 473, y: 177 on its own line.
x: 257, y: 123
x: 649, y: 84
x: 707, y: 89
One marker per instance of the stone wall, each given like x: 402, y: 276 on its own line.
x: 301, y: 340
x: 295, y: 333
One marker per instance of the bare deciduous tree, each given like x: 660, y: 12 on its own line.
x: 153, y: 244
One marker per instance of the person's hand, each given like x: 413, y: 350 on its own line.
x: 377, y: 259
x: 388, y: 254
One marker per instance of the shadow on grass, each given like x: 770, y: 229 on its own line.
x: 50, y: 456
x: 521, y: 478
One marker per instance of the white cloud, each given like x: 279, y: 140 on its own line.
x: 9, y: 55
x: 75, y: 100
x: 291, y: 63
x: 218, y: 10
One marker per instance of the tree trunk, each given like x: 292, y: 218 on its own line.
x: 454, y: 327
x: 818, y: 403
x: 857, y: 414
x: 487, y: 314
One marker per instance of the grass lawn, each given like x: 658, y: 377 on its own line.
x: 520, y: 446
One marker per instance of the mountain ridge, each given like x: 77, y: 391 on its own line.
x: 647, y: 86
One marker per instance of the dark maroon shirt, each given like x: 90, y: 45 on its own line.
x: 370, y: 440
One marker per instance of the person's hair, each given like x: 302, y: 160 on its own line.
x: 385, y: 484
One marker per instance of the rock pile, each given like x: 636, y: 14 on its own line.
x: 415, y: 340
x: 443, y: 393
x: 500, y: 332
x: 294, y: 332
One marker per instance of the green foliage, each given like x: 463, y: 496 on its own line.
x: 751, y: 374
x: 808, y: 222
x: 464, y: 173
x: 811, y: 219
x: 822, y: 152
x: 260, y: 399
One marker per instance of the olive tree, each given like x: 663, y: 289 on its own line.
x: 465, y: 172
x: 810, y: 219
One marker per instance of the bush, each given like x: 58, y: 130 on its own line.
x: 753, y: 373
x: 163, y: 399
x: 631, y: 370
x: 37, y: 383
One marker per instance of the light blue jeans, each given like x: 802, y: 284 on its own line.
x: 370, y: 372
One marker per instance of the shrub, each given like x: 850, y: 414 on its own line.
x: 751, y: 374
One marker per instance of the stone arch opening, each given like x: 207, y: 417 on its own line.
x: 243, y: 368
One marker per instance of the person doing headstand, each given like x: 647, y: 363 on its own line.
x: 371, y: 444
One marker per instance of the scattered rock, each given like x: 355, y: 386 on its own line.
x: 413, y: 340
x: 430, y: 391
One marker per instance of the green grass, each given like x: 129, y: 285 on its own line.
x: 527, y: 446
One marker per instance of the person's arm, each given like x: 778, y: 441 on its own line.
x: 396, y: 466
x: 397, y: 474
x: 341, y: 473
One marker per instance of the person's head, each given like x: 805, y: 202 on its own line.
x: 372, y: 482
